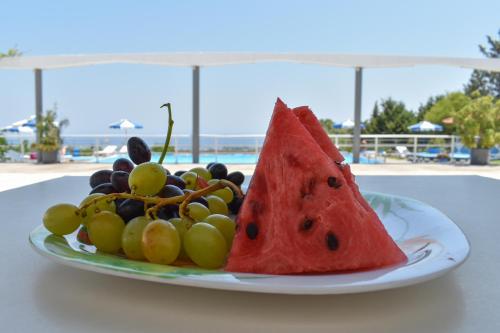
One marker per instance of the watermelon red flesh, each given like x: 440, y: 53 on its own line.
x: 290, y: 186
x: 311, y: 123
x: 313, y: 126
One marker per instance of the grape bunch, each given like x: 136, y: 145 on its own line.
x: 140, y: 210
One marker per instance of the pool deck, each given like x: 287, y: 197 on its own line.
x: 13, y: 175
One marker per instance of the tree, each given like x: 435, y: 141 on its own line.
x: 447, y: 107
x: 374, y: 124
x: 327, y: 125
x: 393, y: 119
x: 479, y: 122
x: 14, y: 52
x: 486, y: 83
x: 50, y: 131
x: 424, y: 108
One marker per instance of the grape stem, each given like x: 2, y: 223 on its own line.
x: 169, y: 132
x: 183, y: 209
x: 184, y: 200
x: 113, y: 196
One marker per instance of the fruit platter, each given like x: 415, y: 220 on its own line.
x: 300, y: 226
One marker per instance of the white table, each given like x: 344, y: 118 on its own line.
x: 37, y: 295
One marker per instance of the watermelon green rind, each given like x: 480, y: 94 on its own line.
x: 290, y: 186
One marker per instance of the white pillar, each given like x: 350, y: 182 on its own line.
x: 38, y: 107
x: 195, y: 148
x: 356, y: 139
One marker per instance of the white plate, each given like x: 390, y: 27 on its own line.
x: 432, y: 242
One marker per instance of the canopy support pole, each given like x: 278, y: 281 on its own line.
x: 356, y: 139
x: 38, y: 107
x: 196, y: 115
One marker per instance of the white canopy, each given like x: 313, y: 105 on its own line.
x: 220, y: 59
x: 201, y: 59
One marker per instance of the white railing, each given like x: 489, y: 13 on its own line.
x: 378, y: 145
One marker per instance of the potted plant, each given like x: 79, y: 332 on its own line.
x: 478, y: 124
x: 50, y: 136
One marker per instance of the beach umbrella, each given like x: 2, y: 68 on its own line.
x: 346, y: 124
x: 28, y: 122
x: 125, y: 124
x: 18, y: 129
x: 425, y: 126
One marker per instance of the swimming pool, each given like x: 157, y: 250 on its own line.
x: 185, y: 158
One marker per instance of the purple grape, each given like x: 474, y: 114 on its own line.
x: 123, y: 164
x: 105, y: 188
x: 138, y: 150
x: 177, y: 181
x: 237, y: 178
x: 169, y: 191
x: 100, y: 177
x: 119, y: 180
x: 235, y: 204
x: 129, y: 209
x: 218, y: 171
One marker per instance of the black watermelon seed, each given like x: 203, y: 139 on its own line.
x: 307, y: 224
x: 331, y: 241
x: 252, y: 230
x: 333, y: 182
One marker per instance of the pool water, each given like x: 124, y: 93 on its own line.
x: 234, y: 158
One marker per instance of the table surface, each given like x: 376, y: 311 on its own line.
x: 37, y: 295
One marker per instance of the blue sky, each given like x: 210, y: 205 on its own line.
x: 234, y: 99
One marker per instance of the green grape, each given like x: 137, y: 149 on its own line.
x: 202, y: 172
x: 181, y: 226
x: 213, y: 181
x: 225, y: 194
x: 62, y: 219
x: 147, y: 178
x: 205, y: 245
x: 225, y: 225
x: 161, y: 243
x: 132, y: 238
x: 190, y: 179
x: 105, y: 231
x: 197, y: 211
x: 216, y: 205
x: 101, y: 205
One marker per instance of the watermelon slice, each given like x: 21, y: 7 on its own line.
x: 300, y: 214
x: 311, y: 123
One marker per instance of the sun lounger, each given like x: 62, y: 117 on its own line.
x: 431, y: 154
x: 462, y: 154
x: 495, y: 153
x: 403, y: 151
x: 123, y: 150
x: 13, y: 156
x: 107, y: 151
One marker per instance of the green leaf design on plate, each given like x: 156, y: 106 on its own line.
x: 405, y: 204
x: 60, y: 247
x: 376, y: 200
